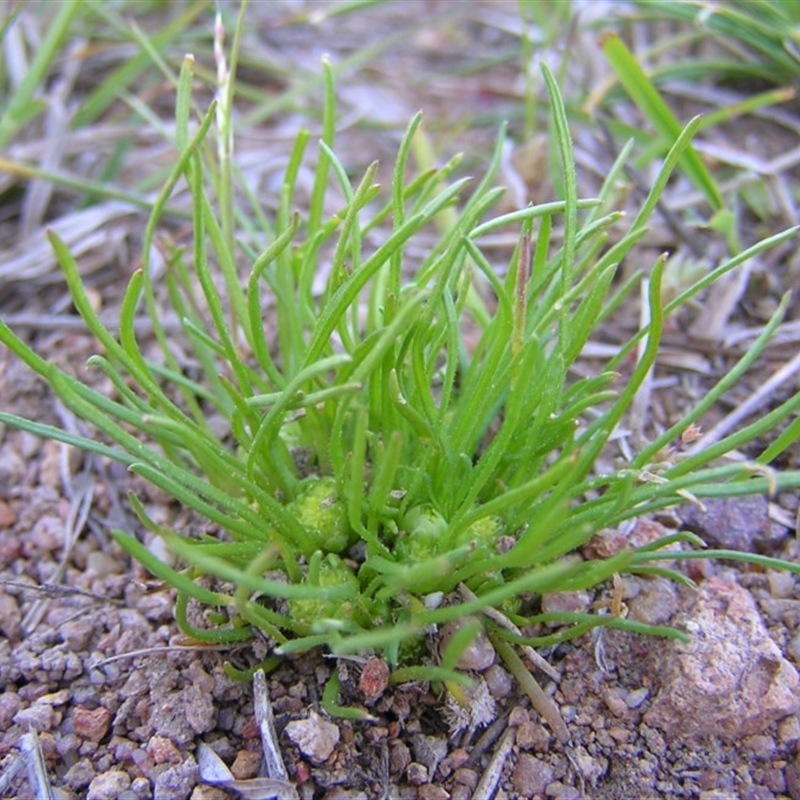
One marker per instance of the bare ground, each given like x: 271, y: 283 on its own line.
x: 90, y: 659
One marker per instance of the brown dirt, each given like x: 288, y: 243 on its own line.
x: 85, y: 657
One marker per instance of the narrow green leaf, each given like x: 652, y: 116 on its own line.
x: 648, y: 99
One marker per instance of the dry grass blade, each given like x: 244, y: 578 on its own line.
x: 37, y: 771
x: 638, y: 417
x: 273, y: 761
x: 215, y: 772
x: 504, y: 622
x: 276, y: 784
x: 87, y: 231
x: 541, y: 701
x: 757, y: 400
x: 54, y: 590
x: 15, y: 766
x: 723, y: 301
x: 491, y: 776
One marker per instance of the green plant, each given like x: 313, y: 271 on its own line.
x: 756, y: 40
x: 412, y: 430
x: 738, y: 52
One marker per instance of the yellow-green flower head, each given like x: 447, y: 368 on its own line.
x: 322, y: 513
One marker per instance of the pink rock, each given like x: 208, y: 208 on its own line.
x: 163, y: 751
x: 374, y: 678
x: 731, y: 680
x: 315, y: 737
x: 91, y: 724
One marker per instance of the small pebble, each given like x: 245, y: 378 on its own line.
x: 101, y: 564
x: 339, y: 793
x: 570, y: 602
x: 374, y: 678
x: 80, y: 774
x: 531, y: 775
x: 761, y: 746
x: 109, y: 785
x: 499, y: 681
x: 794, y: 647
x: 637, y: 697
x: 417, y: 774
x: 141, y: 788
x: 176, y: 783
x: 479, y: 654
x: 315, y: 737
x: 518, y: 716
x: 399, y: 757
x: 466, y: 777
x: 621, y: 735
x: 781, y: 584
x: 558, y: 791
x: 792, y: 774
x: 91, y: 724
x: 77, y: 633
x: 10, y: 704
x: 591, y: 768
x: 40, y: 716
x: 656, y: 603
x: 432, y: 792
x: 163, y: 751
x: 789, y: 730
x: 525, y: 735
x: 429, y: 750
x: 7, y: 515
x: 616, y: 702
x: 203, y: 792
x: 246, y: 765
x: 10, y: 618
x: 47, y: 535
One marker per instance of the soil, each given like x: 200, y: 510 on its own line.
x: 92, y: 666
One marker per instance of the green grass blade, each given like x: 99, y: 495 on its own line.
x: 647, y: 97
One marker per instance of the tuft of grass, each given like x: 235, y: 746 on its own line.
x: 757, y: 40
x: 738, y: 59
x: 414, y: 428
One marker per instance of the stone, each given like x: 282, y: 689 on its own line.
x: 733, y: 523
x: 789, y: 731
x: 201, y: 714
x: 79, y: 775
x: 429, y: 750
x: 466, y: 777
x: 40, y: 716
x: 91, y: 724
x: 163, y: 751
x: 656, y: 602
x: 246, y: 765
x: 7, y: 515
x: 531, y: 775
x: 108, y: 785
x: 399, y: 757
x: 730, y: 680
x: 176, y: 783
x: 77, y: 634
x: 315, y: 737
x: 432, y: 792
x: 10, y: 704
x: 478, y: 655
x: 499, y: 682
x: 792, y: 775
x: 417, y: 774
x: 10, y: 618
x: 576, y: 602
x: 374, y: 678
